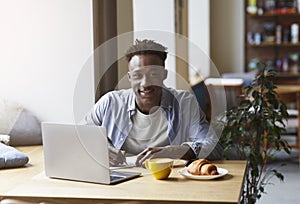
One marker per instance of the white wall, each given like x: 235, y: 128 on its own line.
x: 159, y: 15
x: 43, y: 46
x: 125, y: 25
x: 155, y: 20
x: 227, y: 35
x: 199, y: 37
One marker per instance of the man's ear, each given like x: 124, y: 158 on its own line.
x: 165, y: 74
x: 128, y: 75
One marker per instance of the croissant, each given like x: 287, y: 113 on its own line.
x: 202, y: 167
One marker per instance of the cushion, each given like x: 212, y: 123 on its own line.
x: 20, y: 124
x: 11, y: 157
x: 247, y: 77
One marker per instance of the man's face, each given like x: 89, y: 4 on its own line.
x: 146, y: 75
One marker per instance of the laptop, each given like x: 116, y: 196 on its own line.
x: 79, y: 152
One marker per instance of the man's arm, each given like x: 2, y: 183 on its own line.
x: 170, y: 151
x: 95, y: 117
x: 116, y: 156
x: 204, y: 140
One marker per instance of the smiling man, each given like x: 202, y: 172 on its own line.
x: 151, y: 120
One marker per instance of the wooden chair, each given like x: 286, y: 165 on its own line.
x: 200, y: 90
x: 229, y: 89
x: 290, y: 94
x: 213, y: 90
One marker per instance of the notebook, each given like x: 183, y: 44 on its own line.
x: 79, y: 152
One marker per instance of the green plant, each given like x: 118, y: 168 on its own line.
x: 253, y: 130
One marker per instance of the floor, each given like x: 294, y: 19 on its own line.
x: 288, y: 191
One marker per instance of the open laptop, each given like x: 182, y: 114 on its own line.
x: 79, y: 152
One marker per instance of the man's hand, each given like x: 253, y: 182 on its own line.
x: 173, y: 152
x: 116, y: 156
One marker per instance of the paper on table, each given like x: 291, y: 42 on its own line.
x: 130, y: 162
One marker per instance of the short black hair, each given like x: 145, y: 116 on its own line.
x: 146, y: 47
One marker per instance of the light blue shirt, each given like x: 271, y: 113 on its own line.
x: 186, y: 121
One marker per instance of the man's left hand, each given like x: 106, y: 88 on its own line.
x: 173, y: 152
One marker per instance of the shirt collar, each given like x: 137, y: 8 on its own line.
x: 166, y: 101
x: 131, y: 103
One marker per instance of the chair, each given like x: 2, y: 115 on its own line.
x: 212, y: 92
x: 224, y: 92
x: 291, y: 96
x: 200, y: 90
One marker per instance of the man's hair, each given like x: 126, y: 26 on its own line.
x: 146, y: 47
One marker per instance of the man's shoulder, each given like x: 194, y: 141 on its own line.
x: 180, y: 93
x: 124, y: 95
x: 184, y: 97
x: 120, y: 93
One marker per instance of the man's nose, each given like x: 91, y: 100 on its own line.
x: 146, y: 81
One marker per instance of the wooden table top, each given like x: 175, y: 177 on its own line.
x: 31, y: 183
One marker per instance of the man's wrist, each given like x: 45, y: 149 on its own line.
x: 190, y: 154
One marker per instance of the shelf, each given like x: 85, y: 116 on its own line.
x: 287, y: 75
x: 287, y: 78
x: 274, y: 15
x: 266, y: 44
x: 270, y: 52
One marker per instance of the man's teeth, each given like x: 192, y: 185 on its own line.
x: 146, y: 91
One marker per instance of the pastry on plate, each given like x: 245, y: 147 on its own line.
x: 202, y: 167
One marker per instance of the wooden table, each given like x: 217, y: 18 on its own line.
x: 30, y: 184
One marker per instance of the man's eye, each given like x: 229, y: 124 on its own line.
x: 136, y: 75
x: 154, y: 74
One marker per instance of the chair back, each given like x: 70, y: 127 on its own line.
x: 230, y: 88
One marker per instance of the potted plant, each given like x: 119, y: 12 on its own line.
x: 253, y: 131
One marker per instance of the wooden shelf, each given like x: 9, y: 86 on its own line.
x: 271, y: 53
x: 287, y: 78
x: 274, y: 15
x: 288, y: 74
x: 267, y: 44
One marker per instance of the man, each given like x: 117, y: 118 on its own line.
x: 151, y: 120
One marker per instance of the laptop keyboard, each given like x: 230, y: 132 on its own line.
x: 122, y: 166
x: 114, y: 178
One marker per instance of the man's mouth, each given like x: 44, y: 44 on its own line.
x: 146, y: 92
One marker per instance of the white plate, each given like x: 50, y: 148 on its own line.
x: 179, y: 162
x: 185, y: 173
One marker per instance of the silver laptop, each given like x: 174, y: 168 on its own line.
x: 79, y: 152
